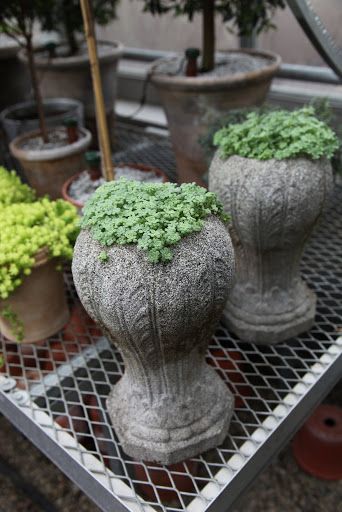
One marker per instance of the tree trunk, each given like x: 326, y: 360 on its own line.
x: 36, y: 90
x: 208, y: 19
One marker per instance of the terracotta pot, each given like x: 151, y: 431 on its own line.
x: 274, y: 205
x: 192, y: 104
x: 169, y: 405
x: 139, y: 167
x: 47, y: 170
x: 71, y: 77
x: 39, y: 302
x: 317, y: 446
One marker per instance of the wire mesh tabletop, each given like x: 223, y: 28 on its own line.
x: 55, y: 391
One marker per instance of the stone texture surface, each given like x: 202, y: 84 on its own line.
x: 274, y: 206
x: 169, y: 405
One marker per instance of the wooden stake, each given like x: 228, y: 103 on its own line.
x: 101, y: 119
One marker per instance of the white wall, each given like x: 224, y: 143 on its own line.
x: 142, y: 30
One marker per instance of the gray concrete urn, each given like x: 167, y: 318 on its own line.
x: 169, y: 405
x: 274, y: 207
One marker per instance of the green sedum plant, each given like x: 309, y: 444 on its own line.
x: 280, y: 134
x: 12, y: 190
x: 27, y: 228
x: 152, y: 216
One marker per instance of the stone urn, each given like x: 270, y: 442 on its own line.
x: 169, y: 405
x: 274, y: 206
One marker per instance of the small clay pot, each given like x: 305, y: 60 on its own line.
x: 317, y: 446
x: 46, y: 170
x: 39, y: 302
x: 139, y: 167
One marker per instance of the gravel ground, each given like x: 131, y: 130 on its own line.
x: 282, y: 487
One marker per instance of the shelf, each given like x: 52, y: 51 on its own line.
x: 55, y: 393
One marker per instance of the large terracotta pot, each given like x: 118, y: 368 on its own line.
x: 39, y: 303
x: 71, y: 77
x: 46, y: 170
x: 169, y: 405
x: 274, y: 205
x: 192, y: 104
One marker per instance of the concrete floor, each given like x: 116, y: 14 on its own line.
x: 282, y: 487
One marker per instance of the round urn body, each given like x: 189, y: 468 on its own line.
x: 274, y: 205
x: 169, y: 405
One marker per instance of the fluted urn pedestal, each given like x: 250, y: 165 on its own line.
x: 274, y: 207
x: 169, y: 405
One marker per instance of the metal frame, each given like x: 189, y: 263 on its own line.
x: 55, y: 393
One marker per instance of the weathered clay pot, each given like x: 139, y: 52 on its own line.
x: 39, y: 303
x: 46, y: 170
x: 192, y: 104
x: 71, y: 77
x: 274, y: 207
x: 141, y: 167
x: 169, y: 405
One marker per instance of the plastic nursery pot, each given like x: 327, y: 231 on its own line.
x: 46, y: 170
x: 139, y: 167
x: 38, y: 304
x: 23, y: 117
x: 71, y: 76
x: 317, y: 446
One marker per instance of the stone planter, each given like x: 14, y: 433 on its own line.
x: 39, y: 303
x: 169, y: 405
x: 193, y: 104
x: 274, y: 207
x: 22, y: 117
x: 71, y: 77
x: 46, y: 170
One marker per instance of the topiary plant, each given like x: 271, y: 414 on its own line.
x: 280, y: 134
x: 152, y: 216
x: 65, y: 16
x: 12, y: 190
x: 246, y: 15
x: 27, y: 228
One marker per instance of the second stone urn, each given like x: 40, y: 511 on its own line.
x: 274, y: 205
x: 169, y: 405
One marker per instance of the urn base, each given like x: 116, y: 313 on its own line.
x: 175, y: 427
x: 269, y: 329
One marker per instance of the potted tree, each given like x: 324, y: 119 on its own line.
x: 273, y: 173
x: 35, y: 236
x: 150, y: 267
x: 233, y: 79
x: 64, y: 69
x: 46, y: 155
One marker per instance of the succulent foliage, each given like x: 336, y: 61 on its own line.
x: 12, y: 190
x: 27, y: 228
x: 153, y: 216
x: 280, y: 134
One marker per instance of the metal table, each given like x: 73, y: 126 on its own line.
x: 55, y: 392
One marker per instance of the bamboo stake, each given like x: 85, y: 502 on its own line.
x: 101, y: 119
